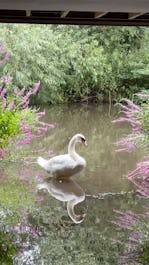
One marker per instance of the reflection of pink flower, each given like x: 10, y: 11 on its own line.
x: 39, y: 198
x: 2, y: 152
x: 27, y: 141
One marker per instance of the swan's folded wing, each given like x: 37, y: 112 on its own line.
x: 61, y: 162
x: 63, y: 166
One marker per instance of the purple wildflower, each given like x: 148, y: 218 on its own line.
x: 47, y: 124
x: 25, y: 103
x: 132, y: 105
x: 21, y: 93
x: 36, y: 88
x: 2, y: 47
x: 141, y: 95
x: 7, y: 56
x: 11, y: 105
x: 132, y: 122
x: 42, y: 129
x: 4, y: 103
x: 40, y: 114
x: 141, y: 171
x: 15, y: 91
x: 3, y: 93
x: 29, y: 94
x: 6, y: 79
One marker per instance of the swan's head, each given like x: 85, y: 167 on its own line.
x: 80, y: 138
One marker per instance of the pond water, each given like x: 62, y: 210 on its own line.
x: 39, y: 223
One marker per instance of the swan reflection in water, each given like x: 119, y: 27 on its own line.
x: 66, y: 190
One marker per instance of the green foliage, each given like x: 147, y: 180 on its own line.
x: 78, y: 63
x: 9, y: 126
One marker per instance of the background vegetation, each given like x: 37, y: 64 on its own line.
x: 76, y: 63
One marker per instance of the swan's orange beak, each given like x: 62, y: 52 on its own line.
x: 85, y: 143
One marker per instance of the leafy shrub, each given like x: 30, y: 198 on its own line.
x: 78, y: 63
x: 19, y: 123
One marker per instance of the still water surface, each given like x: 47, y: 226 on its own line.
x: 55, y: 239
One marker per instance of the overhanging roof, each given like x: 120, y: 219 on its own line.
x: 83, y: 12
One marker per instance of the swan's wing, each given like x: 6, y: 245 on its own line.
x: 61, y: 165
x: 61, y: 162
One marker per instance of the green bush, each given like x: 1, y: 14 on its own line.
x: 77, y: 63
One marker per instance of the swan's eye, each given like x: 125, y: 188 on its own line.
x: 83, y: 140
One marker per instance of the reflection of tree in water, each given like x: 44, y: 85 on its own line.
x: 7, y: 248
x: 62, y: 242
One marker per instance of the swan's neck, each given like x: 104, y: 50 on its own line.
x: 71, y: 149
x: 70, y: 209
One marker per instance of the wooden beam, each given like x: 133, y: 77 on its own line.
x: 70, y: 21
x: 134, y: 15
x: 28, y: 13
x: 99, y: 14
x: 64, y: 13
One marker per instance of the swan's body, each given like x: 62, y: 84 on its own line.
x: 65, y: 165
x: 66, y: 190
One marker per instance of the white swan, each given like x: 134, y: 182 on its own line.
x: 66, y: 190
x: 65, y: 165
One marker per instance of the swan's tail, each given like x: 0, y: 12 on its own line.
x: 42, y: 162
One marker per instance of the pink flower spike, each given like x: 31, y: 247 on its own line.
x: 36, y: 88
x: 21, y: 93
x: 28, y: 94
x: 26, y: 103
x: 6, y: 58
x: 15, y: 91
x: 40, y: 114
x: 4, y: 103
x: 2, y: 47
x: 11, y: 105
x: 52, y: 126
x: 3, y: 93
x: 132, y: 105
x: 141, y: 95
